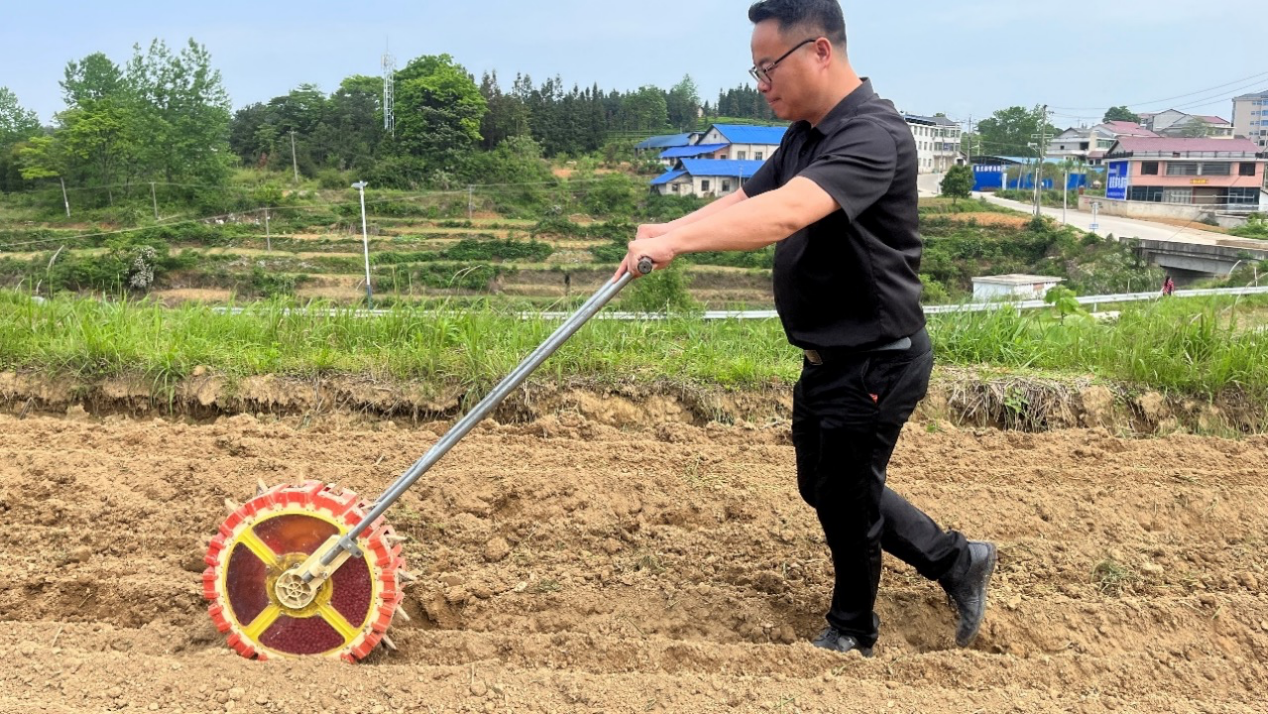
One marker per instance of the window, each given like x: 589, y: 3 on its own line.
x: 1182, y: 168
x: 726, y: 185
x: 1177, y: 195
x: 1246, y: 168
x: 704, y: 185
x: 758, y: 156
x: 1220, y: 169
x: 741, y: 155
x: 1243, y: 195
x: 1149, y: 168
x: 675, y: 187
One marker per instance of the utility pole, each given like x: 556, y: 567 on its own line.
x: 1041, y: 150
x: 154, y: 198
x: 969, y: 152
x: 268, y: 235
x: 65, y: 200
x: 365, y: 241
x: 294, y: 161
x: 470, y: 201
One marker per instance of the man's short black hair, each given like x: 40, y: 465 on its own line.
x: 816, y: 16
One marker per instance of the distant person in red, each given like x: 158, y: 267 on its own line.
x: 1168, y: 286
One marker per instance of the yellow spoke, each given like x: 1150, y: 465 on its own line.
x: 336, y: 620
x: 262, y: 622
x: 257, y: 546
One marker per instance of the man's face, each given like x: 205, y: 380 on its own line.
x: 786, y: 87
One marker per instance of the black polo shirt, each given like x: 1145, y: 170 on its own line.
x: 851, y: 280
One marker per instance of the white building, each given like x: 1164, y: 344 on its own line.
x: 1001, y: 288
x: 1178, y: 124
x: 1089, y: 144
x: 1250, y: 117
x: 706, y: 178
x: 746, y: 143
x: 937, y: 142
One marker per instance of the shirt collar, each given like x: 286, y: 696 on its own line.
x: 846, y: 108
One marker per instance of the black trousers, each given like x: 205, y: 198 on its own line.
x: 847, y: 416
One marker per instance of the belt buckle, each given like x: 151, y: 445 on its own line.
x: 814, y: 357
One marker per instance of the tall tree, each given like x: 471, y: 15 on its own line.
x: 355, y: 118
x: 1011, y: 131
x: 93, y: 78
x: 185, y: 109
x: 682, y: 103
x: 16, y: 124
x: 438, y: 109
x: 644, y: 110
x: 1121, y: 114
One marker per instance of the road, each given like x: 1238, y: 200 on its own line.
x: 1121, y: 227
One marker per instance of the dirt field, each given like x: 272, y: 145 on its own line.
x: 570, y: 566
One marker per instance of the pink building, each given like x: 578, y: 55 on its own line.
x: 1213, y: 172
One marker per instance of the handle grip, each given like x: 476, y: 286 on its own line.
x: 645, y: 265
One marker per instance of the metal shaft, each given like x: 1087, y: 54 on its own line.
x: 484, y: 408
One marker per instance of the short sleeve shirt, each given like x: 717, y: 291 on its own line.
x: 851, y: 280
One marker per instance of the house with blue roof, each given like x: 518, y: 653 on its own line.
x: 668, y: 141
x: 746, y: 143
x: 705, y: 177
x: 669, y: 157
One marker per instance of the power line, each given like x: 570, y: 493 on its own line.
x: 1178, y: 96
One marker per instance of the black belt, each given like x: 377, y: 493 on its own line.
x: 819, y: 356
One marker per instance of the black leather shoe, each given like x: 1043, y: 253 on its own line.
x: 832, y: 639
x: 967, y: 591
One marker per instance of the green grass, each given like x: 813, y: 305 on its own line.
x: 1190, y: 346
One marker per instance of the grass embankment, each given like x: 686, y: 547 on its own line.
x: 1188, y: 346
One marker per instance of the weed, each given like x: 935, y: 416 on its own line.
x: 1113, y: 577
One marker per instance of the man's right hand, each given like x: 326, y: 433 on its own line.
x: 651, y: 230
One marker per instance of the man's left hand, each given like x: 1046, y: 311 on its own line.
x: 661, y: 251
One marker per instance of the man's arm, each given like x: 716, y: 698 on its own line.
x: 743, y: 224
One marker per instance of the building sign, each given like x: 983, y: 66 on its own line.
x: 1117, y: 180
x: 1198, y: 182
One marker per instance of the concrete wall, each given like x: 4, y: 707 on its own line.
x: 1225, y: 220
x: 1143, y: 209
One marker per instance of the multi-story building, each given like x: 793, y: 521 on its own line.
x: 937, y: 142
x: 1250, y: 117
x: 1089, y: 144
x: 1178, y: 124
x: 1224, y: 174
x: 746, y: 143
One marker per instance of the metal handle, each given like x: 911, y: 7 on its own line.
x: 483, y: 409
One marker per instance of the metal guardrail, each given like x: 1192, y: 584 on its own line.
x: 771, y: 314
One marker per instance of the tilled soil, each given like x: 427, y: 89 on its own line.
x: 568, y: 566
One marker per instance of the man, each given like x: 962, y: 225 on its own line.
x: 839, y: 198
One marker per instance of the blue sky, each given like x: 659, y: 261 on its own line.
x: 962, y: 58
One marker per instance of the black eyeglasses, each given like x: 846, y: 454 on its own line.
x: 762, y: 74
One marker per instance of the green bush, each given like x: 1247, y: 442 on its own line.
x: 473, y: 249
x: 664, y: 290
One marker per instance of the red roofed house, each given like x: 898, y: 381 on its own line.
x: 1225, y: 174
x: 1089, y: 144
x: 1178, y: 124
